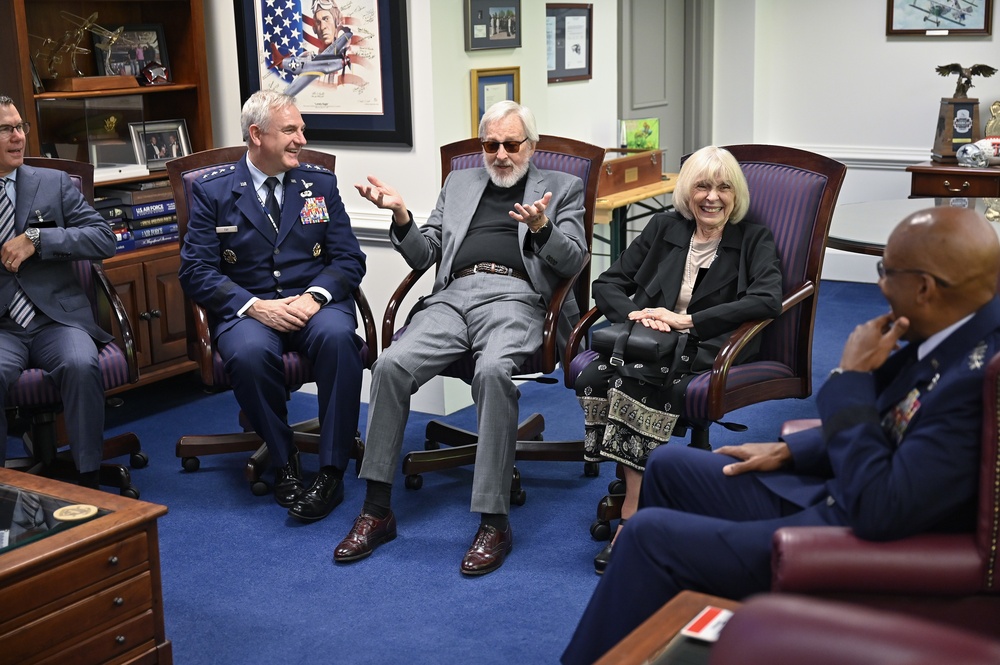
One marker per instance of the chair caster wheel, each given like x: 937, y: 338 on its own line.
x: 600, y: 530
x: 138, y: 460
x: 414, y: 481
x: 131, y: 492
x: 591, y: 469
x: 518, y: 498
x: 190, y: 463
x: 616, y: 486
x: 259, y: 488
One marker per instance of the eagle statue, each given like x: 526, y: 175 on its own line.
x: 965, y: 75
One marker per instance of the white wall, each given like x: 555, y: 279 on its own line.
x: 440, y: 84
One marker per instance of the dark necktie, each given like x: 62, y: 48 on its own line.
x: 271, y: 202
x: 21, y: 309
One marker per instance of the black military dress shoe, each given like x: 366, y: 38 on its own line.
x: 288, y: 486
x: 325, y: 494
x: 367, y: 533
x: 489, y: 549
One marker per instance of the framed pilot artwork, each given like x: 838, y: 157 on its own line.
x: 344, y: 61
x: 935, y: 18
x: 568, y: 30
x: 156, y: 143
x: 138, y: 50
x: 490, y: 86
x: 492, y: 24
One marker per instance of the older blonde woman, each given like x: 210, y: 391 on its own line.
x: 697, y: 271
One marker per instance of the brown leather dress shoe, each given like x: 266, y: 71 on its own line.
x: 367, y: 533
x: 488, y: 550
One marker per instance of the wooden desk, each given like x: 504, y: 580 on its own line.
x: 649, y: 641
x: 935, y: 179
x: 88, y: 594
x: 613, y: 209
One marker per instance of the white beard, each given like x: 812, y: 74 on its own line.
x: 505, y: 180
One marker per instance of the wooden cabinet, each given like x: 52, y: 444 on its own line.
x: 146, y: 281
x: 88, y: 594
x: 952, y: 180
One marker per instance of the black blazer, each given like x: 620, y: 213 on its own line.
x: 743, y: 283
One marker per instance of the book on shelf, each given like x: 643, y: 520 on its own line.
x: 145, y: 210
x: 147, y: 184
x: 151, y: 221
x: 139, y: 243
x: 123, y: 235
x: 151, y: 231
x: 138, y: 196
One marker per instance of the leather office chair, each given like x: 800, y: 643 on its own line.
x: 793, y: 193
x: 779, y: 629
x: 35, y: 399
x: 183, y: 172
x: 949, y: 577
x: 551, y: 153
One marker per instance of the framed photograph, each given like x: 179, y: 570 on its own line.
x: 492, y: 24
x: 939, y: 17
x: 36, y: 83
x: 490, y: 86
x: 134, y: 52
x: 346, y: 63
x: 568, y: 32
x: 156, y: 143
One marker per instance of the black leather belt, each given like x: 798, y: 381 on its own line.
x: 491, y: 269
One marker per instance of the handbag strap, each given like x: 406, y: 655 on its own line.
x: 618, y: 353
x: 675, y: 361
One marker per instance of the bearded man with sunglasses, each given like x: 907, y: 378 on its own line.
x: 503, y: 237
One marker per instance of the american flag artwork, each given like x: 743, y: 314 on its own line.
x: 324, y: 52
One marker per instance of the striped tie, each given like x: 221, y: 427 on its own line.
x: 21, y: 309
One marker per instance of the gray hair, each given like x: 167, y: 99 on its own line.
x: 260, y: 107
x: 716, y: 165
x: 501, y: 110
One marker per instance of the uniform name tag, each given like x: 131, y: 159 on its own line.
x: 226, y: 229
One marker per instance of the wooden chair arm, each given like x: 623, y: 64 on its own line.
x: 202, y: 351
x: 395, y: 302
x: 742, y: 336
x: 368, y: 321
x: 121, y: 318
x: 550, y: 328
x: 576, y: 339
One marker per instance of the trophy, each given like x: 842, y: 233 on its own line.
x: 958, y: 119
x: 52, y: 53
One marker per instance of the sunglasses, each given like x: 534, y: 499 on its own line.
x: 511, y: 147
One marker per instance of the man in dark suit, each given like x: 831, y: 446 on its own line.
x: 898, y: 453
x: 45, y: 317
x: 503, y: 236
x: 269, y: 251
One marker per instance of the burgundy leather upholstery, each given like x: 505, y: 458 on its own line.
x: 951, y: 577
x: 780, y: 629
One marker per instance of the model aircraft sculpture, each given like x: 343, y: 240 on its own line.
x: 111, y: 37
x: 965, y: 75
x: 52, y: 51
x: 306, y: 67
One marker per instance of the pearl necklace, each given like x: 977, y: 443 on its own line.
x: 689, y: 269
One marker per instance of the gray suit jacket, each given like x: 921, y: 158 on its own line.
x: 70, y: 230
x: 561, y: 256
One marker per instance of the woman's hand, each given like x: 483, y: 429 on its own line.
x: 662, y: 319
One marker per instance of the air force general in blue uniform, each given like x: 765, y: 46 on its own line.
x: 278, y: 281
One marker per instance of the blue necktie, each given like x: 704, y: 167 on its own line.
x: 21, y: 309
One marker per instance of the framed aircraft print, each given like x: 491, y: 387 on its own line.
x: 345, y: 63
x: 935, y: 18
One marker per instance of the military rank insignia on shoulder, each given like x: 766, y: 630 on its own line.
x: 317, y: 168
x: 216, y: 172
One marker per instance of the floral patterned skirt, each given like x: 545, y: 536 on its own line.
x: 630, y: 409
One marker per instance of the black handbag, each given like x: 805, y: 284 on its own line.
x: 633, y: 342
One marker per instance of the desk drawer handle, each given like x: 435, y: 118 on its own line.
x: 965, y: 185
x: 118, y: 601
x: 120, y: 639
x: 113, y: 560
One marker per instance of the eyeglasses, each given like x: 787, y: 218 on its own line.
x: 512, y: 147
x: 7, y: 130
x: 883, y: 272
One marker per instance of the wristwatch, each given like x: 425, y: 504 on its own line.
x: 35, y: 236
x: 318, y: 297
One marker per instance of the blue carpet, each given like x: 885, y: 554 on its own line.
x: 243, y: 583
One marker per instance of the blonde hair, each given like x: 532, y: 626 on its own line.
x: 716, y: 165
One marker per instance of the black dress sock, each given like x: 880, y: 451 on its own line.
x: 498, y: 521
x: 377, y: 499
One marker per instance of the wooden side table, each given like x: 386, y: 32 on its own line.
x: 613, y: 209
x: 951, y: 180
x: 650, y: 642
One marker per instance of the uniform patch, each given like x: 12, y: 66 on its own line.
x: 314, y: 211
x: 895, y: 422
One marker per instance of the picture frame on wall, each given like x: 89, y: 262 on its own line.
x: 346, y: 64
x: 935, y: 18
x: 490, y: 86
x: 568, y: 41
x: 491, y: 24
x: 156, y: 143
x: 137, y: 51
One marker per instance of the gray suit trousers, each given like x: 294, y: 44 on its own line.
x: 500, y: 320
